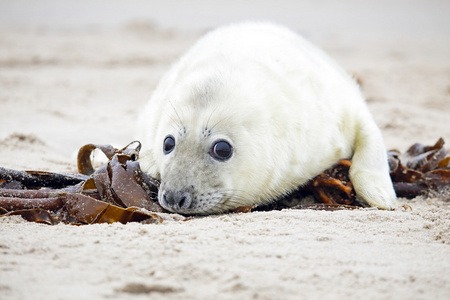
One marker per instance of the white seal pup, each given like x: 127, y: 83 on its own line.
x: 250, y: 113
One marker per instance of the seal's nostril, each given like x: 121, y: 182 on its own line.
x: 168, y: 198
x: 182, y: 201
x: 185, y: 200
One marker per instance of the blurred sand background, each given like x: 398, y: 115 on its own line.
x: 77, y: 72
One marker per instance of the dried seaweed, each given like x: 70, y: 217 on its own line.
x: 331, y: 190
x: 117, y: 192
x: 38, y: 179
x: 427, y: 169
x: 120, y: 192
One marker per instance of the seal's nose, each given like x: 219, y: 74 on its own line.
x: 176, y: 200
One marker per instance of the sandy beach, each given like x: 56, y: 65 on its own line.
x: 77, y: 74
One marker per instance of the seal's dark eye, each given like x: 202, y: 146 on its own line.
x: 169, y: 144
x: 221, y: 150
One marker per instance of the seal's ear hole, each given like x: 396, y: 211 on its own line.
x: 221, y: 150
x: 169, y: 144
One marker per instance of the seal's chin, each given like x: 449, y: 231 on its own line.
x: 187, y: 203
x: 199, y: 211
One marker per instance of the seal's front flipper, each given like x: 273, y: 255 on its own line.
x: 369, y: 172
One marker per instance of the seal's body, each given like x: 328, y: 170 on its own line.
x: 249, y: 114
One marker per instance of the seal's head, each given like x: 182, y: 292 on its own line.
x: 215, y: 145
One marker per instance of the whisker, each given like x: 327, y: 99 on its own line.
x: 176, y: 113
x: 218, y: 122
x: 209, y: 118
x: 180, y: 126
x: 175, y: 125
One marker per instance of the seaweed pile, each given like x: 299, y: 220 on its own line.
x: 116, y: 192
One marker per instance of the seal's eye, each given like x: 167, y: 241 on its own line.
x: 169, y: 144
x: 221, y: 150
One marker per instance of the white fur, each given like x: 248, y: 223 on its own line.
x: 288, y: 110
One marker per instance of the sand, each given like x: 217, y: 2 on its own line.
x: 64, y: 84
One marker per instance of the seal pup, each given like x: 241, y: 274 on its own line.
x: 250, y: 113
